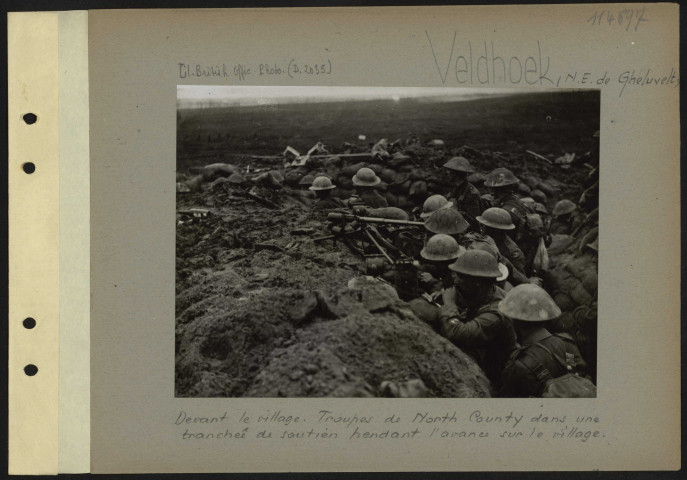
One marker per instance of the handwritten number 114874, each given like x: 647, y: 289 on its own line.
x: 627, y: 18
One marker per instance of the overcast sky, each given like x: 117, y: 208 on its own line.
x: 261, y: 95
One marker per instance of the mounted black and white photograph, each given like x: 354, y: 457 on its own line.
x: 386, y: 242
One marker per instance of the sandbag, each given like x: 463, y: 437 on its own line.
x: 523, y: 188
x: 387, y: 175
x: 531, y: 181
x: 351, y: 170
x: 580, y: 295
x: 394, y: 213
x: 377, y: 168
x: 546, y: 188
x: 333, y: 162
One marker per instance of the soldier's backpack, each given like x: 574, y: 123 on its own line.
x: 567, y: 385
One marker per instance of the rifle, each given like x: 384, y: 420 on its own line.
x: 362, y: 235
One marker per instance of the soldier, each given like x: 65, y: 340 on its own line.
x: 534, y: 233
x: 480, y: 330
x: 484, y: 242
x: 465, y: 195
x: 542, y: 355
x: 365, y: 180
x: 323, y: 187
x: 434, y: 275
x: 502, y: 281
x: 447, y: 221
x: 432, y: 204
x: 564, y: 218
x: 495, y: 223
x: 503, y: 185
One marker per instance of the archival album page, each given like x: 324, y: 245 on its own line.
x: 367, y: 239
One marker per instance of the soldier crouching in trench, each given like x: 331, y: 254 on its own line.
x: 480, y: 330
x: 542, y: 356
x: 366, y: 181
x: 434, y: 275
x: 322, y: 186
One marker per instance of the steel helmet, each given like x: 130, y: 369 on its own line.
x: 366, y: 178
x: 539, y: 196
x: 306, y: 179
x: 540, y: 208
x: 500, y: 177
x: 442, y: 247
x: 492, y: 250
x: 459, y: 164
x: 529, y: 201
x: 322, y: 183
x: 504, y: 272
x: 529, y: 303
x: 497, y: 218
x: 447, y: 221
x: 477, y: 263
x: 434, y: 203
x: 563, y: 207
x: 486, y: 246
x: 236, y: 178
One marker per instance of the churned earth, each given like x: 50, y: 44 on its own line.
x: 263, y: 311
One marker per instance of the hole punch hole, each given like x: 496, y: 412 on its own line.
x: 31, y: 370
x: 29, y: 118
x: 29, y: 323
x: 28, y: 167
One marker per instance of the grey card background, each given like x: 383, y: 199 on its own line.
x: 134, y: 69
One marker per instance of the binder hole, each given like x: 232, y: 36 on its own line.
x: 29, y: 323
x: 29, y: 118
x: 30, y: 369
x: 28, y: 167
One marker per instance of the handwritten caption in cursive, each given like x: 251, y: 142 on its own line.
x: 360, y: 426
x: 488, y: 63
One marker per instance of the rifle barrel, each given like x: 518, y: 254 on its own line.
x: 391, y: 221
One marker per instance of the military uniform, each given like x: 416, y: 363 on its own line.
x: 372, y: 198
x: 515, y: 276
x: 467, y: 200
x: 530, y: 365
x: 328, y: 204
x: 513, y: 205
x: 512, y: 252
x: 485, y: 334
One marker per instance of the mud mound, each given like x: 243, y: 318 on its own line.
x: 236, y: 337
x: 355, y: 354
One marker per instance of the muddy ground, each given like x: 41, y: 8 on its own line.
x: 263, y: 311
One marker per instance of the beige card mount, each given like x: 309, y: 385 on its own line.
x: 91, y: 235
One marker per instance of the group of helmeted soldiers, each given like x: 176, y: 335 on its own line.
x: 479, y: 274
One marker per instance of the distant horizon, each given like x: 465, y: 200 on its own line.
x: 196, y: 96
